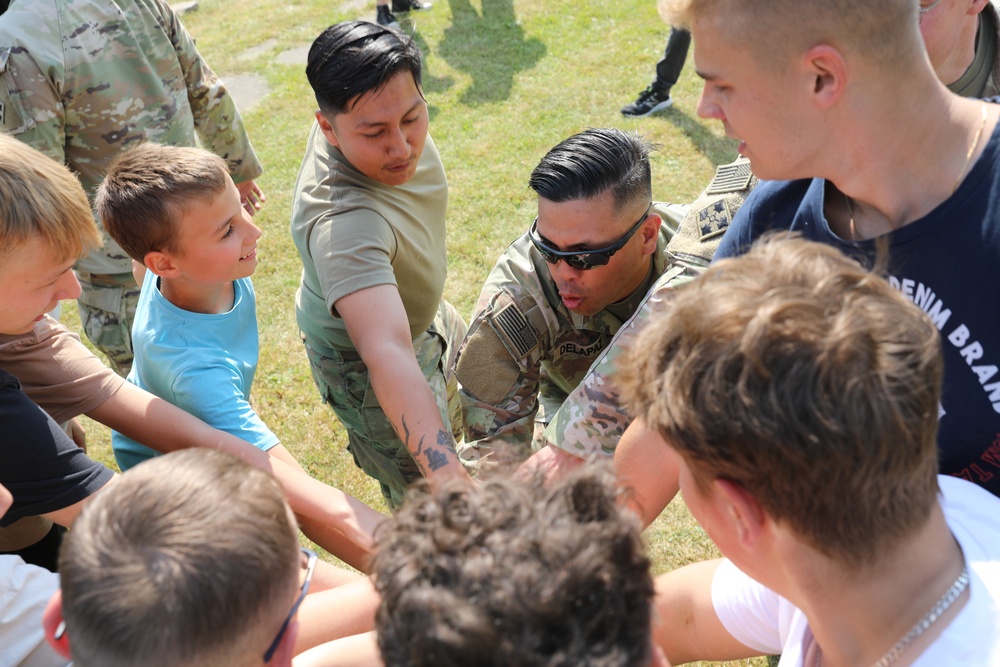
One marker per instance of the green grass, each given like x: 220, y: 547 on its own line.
x: 504, y: 82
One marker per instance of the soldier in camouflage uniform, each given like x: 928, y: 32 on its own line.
x: 541, y: 319
x: 82, y: 80
x: 591, y: 420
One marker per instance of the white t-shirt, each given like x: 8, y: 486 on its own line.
x: 763, y: 620
x: 24, y: 592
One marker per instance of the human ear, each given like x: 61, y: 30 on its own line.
x: 161, y: 263
x: 53, y: 624
x: 827, y: 72
x: 326, y: 127
x: 286, y: 647
x: 745, y: 515
x: 650, y: 233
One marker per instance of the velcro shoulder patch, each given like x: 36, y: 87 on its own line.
x: 731, y: 177
x: 513, y: 326
x: 11, y: 119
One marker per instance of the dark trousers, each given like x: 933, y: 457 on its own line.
x: 668, y: 70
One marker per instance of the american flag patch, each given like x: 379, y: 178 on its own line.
x: 730, y: 178
x: 515, y: 326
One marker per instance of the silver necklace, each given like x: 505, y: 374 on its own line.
x: 927, y: 621
x: 984, y: 115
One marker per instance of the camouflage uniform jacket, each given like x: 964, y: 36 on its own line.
x: 591, y: 419
x: 83, y: 80
x: 525, y: 351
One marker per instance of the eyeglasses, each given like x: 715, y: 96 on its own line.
x: 924, y: 10
x: 582, y: 260
x: 309, y: 558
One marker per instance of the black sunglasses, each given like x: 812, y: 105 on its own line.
x: 582, y: 260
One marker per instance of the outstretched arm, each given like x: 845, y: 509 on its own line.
x: 164, y: 427
x: 685, y: 624
x: 647, y: 468
x: 377, y: 324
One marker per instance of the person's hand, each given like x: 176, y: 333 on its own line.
x: 74, y: 429
x: 549, y: 463
x: 251, y: 196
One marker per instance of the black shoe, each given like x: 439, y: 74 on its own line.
x: 649, y: 101
x: 384, y: 17
x: 408, y: 5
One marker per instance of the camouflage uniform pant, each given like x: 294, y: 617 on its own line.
x: 107, y: 309
x: 344, y: 383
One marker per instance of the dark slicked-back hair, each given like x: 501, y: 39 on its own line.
x: 352, y: 58
x: 508, y: 573
x: 593, y: 162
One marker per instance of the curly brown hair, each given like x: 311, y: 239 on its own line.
x: 509, y: 573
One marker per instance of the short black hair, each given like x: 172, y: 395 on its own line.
x: 352, y: 58
x: 593, y: 162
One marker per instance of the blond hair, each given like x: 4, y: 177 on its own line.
x: 885, y: 32
x: 40, y: 197
x: 807, y: 380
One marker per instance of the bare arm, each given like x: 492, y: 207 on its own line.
x: 685, y: 624
x: 376, y: 322
x: 339, y: 612
x: 164, y: 427
x: 356, y: 651
x: 67, y: 515
x: 647, y: 468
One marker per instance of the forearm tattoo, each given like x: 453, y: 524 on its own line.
x: 436, y: 458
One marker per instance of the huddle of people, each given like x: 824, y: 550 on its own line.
x: 814, y: 396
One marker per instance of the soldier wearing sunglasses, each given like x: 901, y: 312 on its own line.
x: 559, y: 293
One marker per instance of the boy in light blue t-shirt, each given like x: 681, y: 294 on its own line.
x: 177, y: 213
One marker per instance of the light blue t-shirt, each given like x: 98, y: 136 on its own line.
x: 201, y: 363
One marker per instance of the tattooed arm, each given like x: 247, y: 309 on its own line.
x: 377, y: 324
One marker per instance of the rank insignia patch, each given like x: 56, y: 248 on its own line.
x: 714, y: 218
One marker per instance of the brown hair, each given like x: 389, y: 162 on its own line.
x: 146, y: 189
x: 806, y: 379
x: 508, y: 573
x: 190, y: 559
x: 40, y: 197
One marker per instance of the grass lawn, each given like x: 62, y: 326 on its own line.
x: 504, y: 83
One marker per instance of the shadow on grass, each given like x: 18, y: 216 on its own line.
x: 718, y: 150
x: 430, y: 83
x: 490, y: 48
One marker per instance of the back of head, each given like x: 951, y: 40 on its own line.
x: 189, y: 559
x: 593, y: 162
x: 147, y: 188
x: 884, y: 33
x: 507, y: 573
x: 41, y: 198
x: 352, y: 58
x: 807, y: 380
